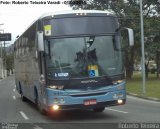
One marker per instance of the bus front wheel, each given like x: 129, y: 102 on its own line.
x: 39, y: 106
x: 42, y: 111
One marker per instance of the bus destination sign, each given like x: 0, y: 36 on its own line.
x: 5, y: 37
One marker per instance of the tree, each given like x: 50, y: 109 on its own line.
x: 152, y: 43
x: 10, y: 62
x: 151, y: 30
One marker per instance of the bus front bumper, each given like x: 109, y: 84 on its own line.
x: 107, y: 99
x: 82, y: 106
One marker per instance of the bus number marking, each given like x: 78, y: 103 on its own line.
x: 61, y: 74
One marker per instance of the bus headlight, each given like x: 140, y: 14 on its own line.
x: 117, y: 82
x: 58, y: 87
x: 56, y: 101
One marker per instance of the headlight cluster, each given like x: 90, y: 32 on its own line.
x: 117, y: 81
x: 59, y: 101
x: 58, y: 87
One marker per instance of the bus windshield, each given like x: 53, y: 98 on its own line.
x: 79, y: 57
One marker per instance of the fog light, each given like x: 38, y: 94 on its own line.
x: 55, y: 107
x: 120, y: 101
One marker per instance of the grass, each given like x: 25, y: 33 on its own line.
x: 152, y: 85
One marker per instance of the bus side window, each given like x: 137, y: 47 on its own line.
x: 25, y: 43
x: 18, y: 49
x: 23, y: 46
x: 31, y: 34
x: 15, y: 49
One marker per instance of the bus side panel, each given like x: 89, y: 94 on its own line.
x: 26, y: 64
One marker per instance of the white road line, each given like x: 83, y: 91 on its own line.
x: 24, y: 115
x: 141, y: 99
x: 14, y: 90
x: 37, y: 127
x: 15, y: 86
x: 116, y: 110
x: 14, y: 97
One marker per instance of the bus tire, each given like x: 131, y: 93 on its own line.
x: 42, y: 111
x: 38, y: 104
x: 23, y: 98
x: 100, y: 109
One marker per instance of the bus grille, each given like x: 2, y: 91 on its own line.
x: 87, y: 94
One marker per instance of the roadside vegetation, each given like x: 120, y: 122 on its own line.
x: 152, y: 85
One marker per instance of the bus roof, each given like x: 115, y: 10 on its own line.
x: 107, y: 12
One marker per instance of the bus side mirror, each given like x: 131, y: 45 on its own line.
x: 40, y: 41
x: 127, y: 38
x: 130, y: 36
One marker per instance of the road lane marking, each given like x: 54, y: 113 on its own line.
x: 37, y: 127
x: 14, y: 97
x: 15, y: 86
x: 24, y: 115
x: 14, y: 90
x: 116, y: 110
x: 141, y: 99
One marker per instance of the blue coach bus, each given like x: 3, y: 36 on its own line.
x: 72, y: 60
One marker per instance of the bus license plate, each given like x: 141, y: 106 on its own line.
x: 90, y: 102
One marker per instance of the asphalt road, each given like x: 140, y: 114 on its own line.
x: 13, y: 110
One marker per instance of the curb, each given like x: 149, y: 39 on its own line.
x: 143, y: 97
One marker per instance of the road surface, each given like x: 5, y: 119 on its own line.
x: 13, y: 110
